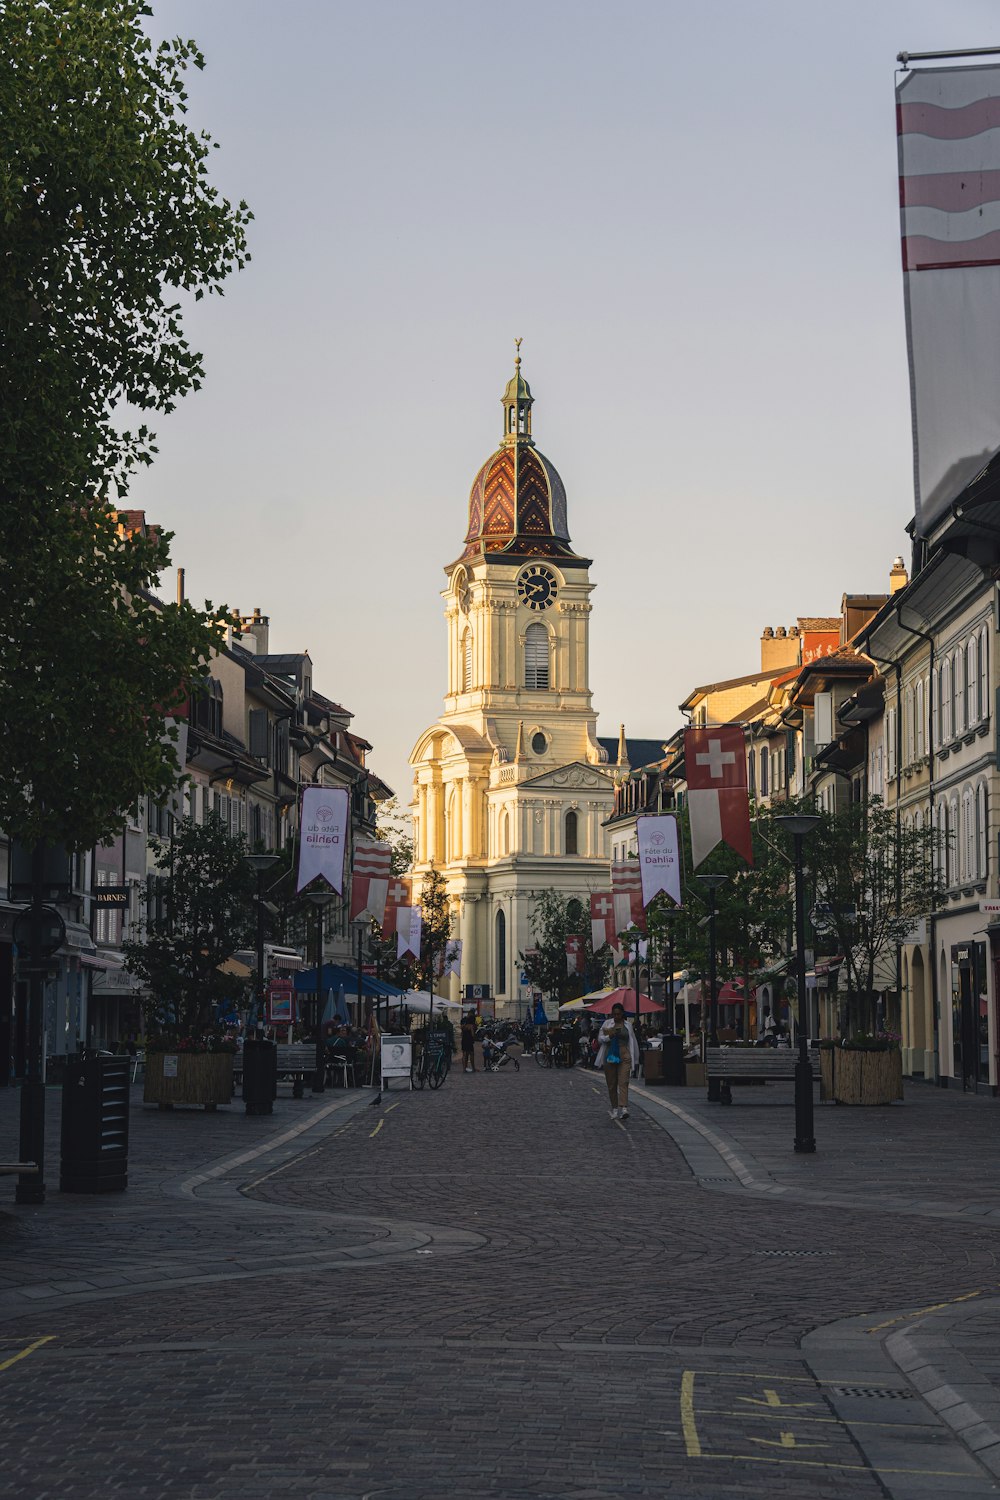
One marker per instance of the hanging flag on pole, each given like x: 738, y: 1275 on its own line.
x: 626, y: 889
x: 370, y: 878
x: 397, y: 897
x: 715, y: 768
x: 602, y: 920
x: 449, y: 959
x: 574, y: 955
x: 408, y: 930
x: 323, y: 828
x: 948, y: 129
x: 659, y: 857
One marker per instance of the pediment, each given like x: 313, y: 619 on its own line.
x: 572, y: 777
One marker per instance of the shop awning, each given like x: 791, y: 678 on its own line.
x: 335, y: 977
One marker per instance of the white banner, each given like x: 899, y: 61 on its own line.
x: 453, y: 957
x: 948, y: 123
x: 323, y: 836
x: 659, y: 857
x: 409, y: 925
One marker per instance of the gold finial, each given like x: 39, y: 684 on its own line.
x: 517, y: 357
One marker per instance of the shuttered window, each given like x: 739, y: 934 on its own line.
x: 536, y: 657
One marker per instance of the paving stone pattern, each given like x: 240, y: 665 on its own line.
x: 492, y: 1290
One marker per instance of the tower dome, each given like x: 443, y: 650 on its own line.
x: 517, y: 504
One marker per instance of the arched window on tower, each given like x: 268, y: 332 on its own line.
x: 501, y: 955
x: 536, y: 657
x: 504, y: 833
x: 572, y: 838
x: 467, y: 662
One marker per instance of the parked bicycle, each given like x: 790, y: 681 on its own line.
x: 431, y: 1065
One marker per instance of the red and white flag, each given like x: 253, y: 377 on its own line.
x: 948, y: 129
x: 397, y: 897
x: 715, y: 768
x: 409, y: 925
x: 659, y: 857
x: 602, y: 920
x: 626, y: 888
x: 574, y: 955
x: 370, y: 878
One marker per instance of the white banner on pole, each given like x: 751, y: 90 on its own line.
x: 323, y: 836
x: 659, y: 857
x: 409, y: 925
x: 948, y: 124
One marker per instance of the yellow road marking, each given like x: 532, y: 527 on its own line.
x: 23, y: 1353
x: 692, y: 1443
x: 761, y: 1375
x: 777, y: 1416
x: 820, y: 1463
x: 922, y: 1311
x: 786, y: 1440
x: 392, y: 1107
x: 378, y: 1127
x: 771, y: 1398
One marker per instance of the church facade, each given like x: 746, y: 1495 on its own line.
x: 511, y: 785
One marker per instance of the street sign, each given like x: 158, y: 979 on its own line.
x: 52, y: 936
x: 477, y: 992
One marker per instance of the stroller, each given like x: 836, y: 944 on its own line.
x: 496, y: 1055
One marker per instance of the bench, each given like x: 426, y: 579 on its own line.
x: 12, y: 1169
x: 296, y: 1060
x: 753, y: 1065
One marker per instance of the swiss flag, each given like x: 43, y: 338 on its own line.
x: 370, y: 879
x: 715, y: 766
x: 574, y: 955
x: 397, y: 895
x: 626, y: 889
x: 602, y: 920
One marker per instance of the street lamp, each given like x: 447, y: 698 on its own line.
x: 260, y: 864
x: 799, y: 825
x: 320, y: 899
x: 711, y: 884
x: 669, y: 916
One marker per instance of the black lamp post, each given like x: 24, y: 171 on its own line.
x: 260, y: 864
x: 711, y: 884
x: 669, y: 1014
x: 320, y: 899
x: 799, y: 825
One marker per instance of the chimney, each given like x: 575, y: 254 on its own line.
x: 180, y: 585
x: 778, y: 648
x: 898, y: 576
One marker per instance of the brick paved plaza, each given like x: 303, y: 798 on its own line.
x: 495, y: 1291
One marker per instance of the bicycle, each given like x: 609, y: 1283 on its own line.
x: 431, y: 1066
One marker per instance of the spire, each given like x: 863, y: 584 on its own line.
x: 519, y: 750
x: 517, y: 403
x: 622, y: 750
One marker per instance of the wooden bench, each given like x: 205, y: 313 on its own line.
x: 753, y: 1065
x: 296, y: 1061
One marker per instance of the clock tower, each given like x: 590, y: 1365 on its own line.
x: 511, y: 787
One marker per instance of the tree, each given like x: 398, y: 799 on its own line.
x: 875, y: 877
x: 393, y: 827
x: 106, y: 218
x: 206, y: 914
x: 554, y: 918
x: 436, y: 924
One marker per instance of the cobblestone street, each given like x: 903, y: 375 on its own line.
x: 495, y: 1291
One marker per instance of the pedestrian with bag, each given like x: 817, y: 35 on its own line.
x: 617, y: 1054
x: 469, y: 1041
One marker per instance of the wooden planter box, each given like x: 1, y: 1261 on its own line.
x: 861, y: 1077
x: 203, y: 1078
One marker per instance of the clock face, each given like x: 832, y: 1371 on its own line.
x: 537, y: 586
x: 464, y: 595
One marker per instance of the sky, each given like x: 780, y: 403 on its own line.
x: 689, y: 213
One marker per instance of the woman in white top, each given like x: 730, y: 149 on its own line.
x: 618, y: 1054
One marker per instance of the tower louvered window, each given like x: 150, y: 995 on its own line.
x: 467, y: 662
x: 536, y: 657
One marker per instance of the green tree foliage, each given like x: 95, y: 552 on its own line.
x: 106, y: 219
x: 394, y: 828
x: 208, y: 913
x: 554, y: 918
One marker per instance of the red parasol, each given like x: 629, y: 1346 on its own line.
x: 624, y: 997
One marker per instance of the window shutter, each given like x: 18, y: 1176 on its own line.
x: 258, y: 734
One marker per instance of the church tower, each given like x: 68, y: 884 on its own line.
x: 511, y: 787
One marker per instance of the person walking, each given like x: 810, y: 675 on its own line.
x: 618, y: 1054
x: 469, y: 1041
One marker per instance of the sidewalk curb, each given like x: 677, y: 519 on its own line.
x: 962, y: 1397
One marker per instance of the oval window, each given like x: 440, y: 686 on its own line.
x: 539, y: 743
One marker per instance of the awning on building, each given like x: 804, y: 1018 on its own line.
x: 335, y: 977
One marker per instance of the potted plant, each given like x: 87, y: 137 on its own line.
x: 864, y: 1068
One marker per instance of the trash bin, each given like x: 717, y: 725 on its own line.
x: 673, y: 1060
x: 260, y: 1076
x: 94, y: 1140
